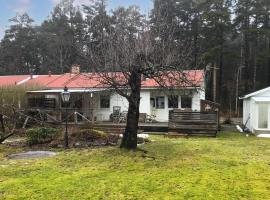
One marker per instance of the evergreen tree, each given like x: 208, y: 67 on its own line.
x: 19, y: 52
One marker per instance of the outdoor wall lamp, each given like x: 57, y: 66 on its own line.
x: 65, y: 95
x: 65, y: 98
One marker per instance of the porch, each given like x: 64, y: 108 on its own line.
x: 103, y: 105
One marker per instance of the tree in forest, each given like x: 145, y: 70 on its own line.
x: 98, y: 24
x: 19, y: 51
x: 62, y: 36
x: 215, y: 30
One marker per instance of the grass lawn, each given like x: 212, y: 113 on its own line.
x: 230, y: 166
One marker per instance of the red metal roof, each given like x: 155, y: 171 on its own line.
x: 42, y: 80
x: 192, y: 78
x: 12, y: 80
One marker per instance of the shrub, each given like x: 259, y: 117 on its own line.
x: 15, y: 95
x: 90, y: 134
x: 40, y: 135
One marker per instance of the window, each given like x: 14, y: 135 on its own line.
x: 104, y: 101
x: 160, y: 102
x: 173, y: 101
x: 153, y: 102
x: 263, y: 116
x: 42, y: 102
x: 186, y: 102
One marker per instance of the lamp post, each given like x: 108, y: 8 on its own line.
x: 92, y: 109
x: 65, y: 98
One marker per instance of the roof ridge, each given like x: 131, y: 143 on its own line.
x: 59, y: 76
x: 71, y: 78
x: 256, y: 92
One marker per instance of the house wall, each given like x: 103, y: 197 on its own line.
x: 196, y: 100
x: 162, y: 115
x: 253, y: 115
x: 257, y: 115
x: 251, y: 108
x: 247, y: 113
x: 103, y: 114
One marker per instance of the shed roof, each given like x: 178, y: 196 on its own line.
x: 256, y: 93
x: 261, y: 99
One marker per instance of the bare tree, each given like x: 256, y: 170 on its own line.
x: 132, y: 50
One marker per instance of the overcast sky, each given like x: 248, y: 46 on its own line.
x: 40, y: 9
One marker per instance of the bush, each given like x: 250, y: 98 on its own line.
x: 40, y: 135
x: 90, y: 134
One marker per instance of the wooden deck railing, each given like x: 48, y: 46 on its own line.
x: 193, y: 123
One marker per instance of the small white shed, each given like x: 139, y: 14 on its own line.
x: 256, y: 111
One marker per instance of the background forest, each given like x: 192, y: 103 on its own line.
x: 228, y: 37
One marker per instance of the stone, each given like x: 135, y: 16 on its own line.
x: 31, y: 155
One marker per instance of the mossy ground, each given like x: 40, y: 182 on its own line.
x: 230, y: 166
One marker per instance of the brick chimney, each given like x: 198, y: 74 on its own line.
x: 49, y: 73
x: 75, y: 69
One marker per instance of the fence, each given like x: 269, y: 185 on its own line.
x: 193, y: 123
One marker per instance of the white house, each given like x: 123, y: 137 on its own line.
x: 91, y: 98
x: 153, y: 101
x: 256, y: 111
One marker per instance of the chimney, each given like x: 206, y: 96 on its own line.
x: 143, y: 77
x: 49, y: 73
x: 31, y: 75
x: 75, y: 69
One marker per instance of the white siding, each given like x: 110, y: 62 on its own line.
x: 250, y: 108
x: 196, y: 100
x: 103, y: 114
x: 145, y: 102
x: 162, y: 115
x: 247, y: 113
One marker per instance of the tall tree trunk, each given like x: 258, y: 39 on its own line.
x: 130, y: 136
x: 255, y: 55
x: 196, y: 33
x: 61, y: 60
x: 247, y: 56
x: 268, y: 62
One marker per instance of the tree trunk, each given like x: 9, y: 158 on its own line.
x: 130, y: 135
x: 255, y: 54
x: 267, y: 72
x: 3, y: 138
x: 2, y: 123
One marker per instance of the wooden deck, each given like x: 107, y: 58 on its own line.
x: 145, y: 127
x: 160, y: 128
